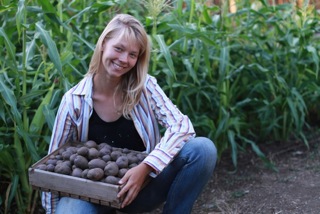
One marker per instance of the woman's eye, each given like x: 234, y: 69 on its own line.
x: 118, y: 49
x: 133, y: 56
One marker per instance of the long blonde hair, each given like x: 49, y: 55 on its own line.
x: 132, y: 83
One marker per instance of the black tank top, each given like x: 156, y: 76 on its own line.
x: 120, y: 133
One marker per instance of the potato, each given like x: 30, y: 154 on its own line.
x: 84, y: 173
x: 51, y: 161
x: 50, y: 167
x: 42, y: 166
x: 72, y: 157
x: 122, y: 172
x: 93, y: 153
x: 125, y: 151
x: 132, y: 158
x: 68, y: 163
x: 62, y: 168
x: 112, y: 180
x: 83, y: 151
x: 115, y: 154
x: 132, y: 165
x: 66, y: 155
x: 91, y: 144
x: 102, y: 145
x: 72, y: 149
x: 95, y: 174
x: 81, y: 162
x: 106, y: 158
x: 61, y: 150
x: 104, y: 151
x: 77, y: 172
x: 122, y: 162
x: 141, y: 156
x: 111, y: 169
x: 58, y: 157
x: 96, y: 163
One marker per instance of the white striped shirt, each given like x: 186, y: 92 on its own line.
x: 154, y: 108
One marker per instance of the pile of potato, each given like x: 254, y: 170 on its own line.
x: 97, y: 162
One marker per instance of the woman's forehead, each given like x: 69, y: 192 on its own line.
x: 127, y: 42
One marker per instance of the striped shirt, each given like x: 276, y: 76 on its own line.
x: 154, y: 109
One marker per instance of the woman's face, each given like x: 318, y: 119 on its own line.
x: 119, y: 56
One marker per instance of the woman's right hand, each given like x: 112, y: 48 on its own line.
x: 132, y: 182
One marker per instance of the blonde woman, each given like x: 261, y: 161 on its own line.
x: 118, y: 103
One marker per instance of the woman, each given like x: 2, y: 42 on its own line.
x: 117, y: 102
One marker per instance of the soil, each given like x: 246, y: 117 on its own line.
x: 291, y: 187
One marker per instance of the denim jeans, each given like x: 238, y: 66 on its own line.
x: 178, y: 185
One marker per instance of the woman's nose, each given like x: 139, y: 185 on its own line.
x: 124, y: 57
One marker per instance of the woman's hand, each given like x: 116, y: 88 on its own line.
x: 132, y: 182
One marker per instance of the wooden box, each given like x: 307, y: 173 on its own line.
x: 70, y: 186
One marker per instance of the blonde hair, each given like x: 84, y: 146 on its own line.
x: 132, y: 83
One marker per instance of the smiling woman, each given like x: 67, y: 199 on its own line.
x: 119, y: 104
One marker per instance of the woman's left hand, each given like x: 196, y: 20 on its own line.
x: 132, y: 182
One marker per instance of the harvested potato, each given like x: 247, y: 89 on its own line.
x: 83, y: 151
x: 132, y: 158
x: 91, y: 144
x: 67, y: 162
x: 106, y: 158
x: 61, y: 150
x: 111, y: 169
x: 122, y: 172
x: 125, y: 151
x: 102, y: 145
x: 132, y: 165
x: 112, y: 180
x: 84, y: 173
x: 115, y: 155
x: 58, y: 157
x: 42, y: 167
x: 104, y: 151
x: 81, y: 162
x: 96, y: 163
x: 93, y: 153
x: 72, y: 149
x: 72, y: 157
x: 62, y: 168
x: 122, y: 162
x: 50, y: 167
x: 77, y: 172
x: 141, y: 156
x: 66, y: 155
x: 51, y: 161
x: 95, y: 174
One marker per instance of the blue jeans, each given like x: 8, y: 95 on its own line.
x: 178, y: 185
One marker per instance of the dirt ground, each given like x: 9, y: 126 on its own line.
x: 293, y: 189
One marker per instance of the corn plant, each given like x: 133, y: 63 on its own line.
x: 243, y: 78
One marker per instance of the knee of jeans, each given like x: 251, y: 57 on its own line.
x: 205, y: 148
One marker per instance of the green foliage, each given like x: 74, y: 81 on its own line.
x: 243, y: 78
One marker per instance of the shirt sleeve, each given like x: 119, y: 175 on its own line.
x: 179, y: 129
x: 63, y: 130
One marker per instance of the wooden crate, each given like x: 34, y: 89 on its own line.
x: 70, y: 186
